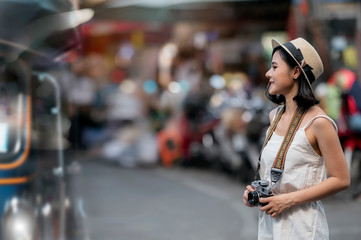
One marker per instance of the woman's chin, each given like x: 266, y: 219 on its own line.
x: 272, y: 92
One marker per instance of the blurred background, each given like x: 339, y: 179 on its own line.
x: 143, y: 119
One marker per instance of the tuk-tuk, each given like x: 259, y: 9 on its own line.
x: 33, y: 192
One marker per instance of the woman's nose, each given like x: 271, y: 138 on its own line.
x: 268, y: 75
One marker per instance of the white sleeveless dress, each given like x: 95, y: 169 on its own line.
x: 303, y: 168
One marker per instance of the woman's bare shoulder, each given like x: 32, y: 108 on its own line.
x: 320, y: 122
x: 315, y: 111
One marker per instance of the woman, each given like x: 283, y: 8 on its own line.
x: 294, y: 210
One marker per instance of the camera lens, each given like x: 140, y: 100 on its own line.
x: 253, y: 198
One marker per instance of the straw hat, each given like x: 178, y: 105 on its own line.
x: 306, y: 57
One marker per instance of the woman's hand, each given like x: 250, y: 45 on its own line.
x: 276, y: 204
x: 249, y: 189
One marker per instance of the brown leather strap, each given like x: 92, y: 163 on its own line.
x: 268, y: 136
x: 278, y: 164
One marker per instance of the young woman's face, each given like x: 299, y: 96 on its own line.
x: 280, y: 77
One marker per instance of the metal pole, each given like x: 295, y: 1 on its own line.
x: 60, y: 170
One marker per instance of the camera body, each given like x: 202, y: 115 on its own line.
x: 263, y: 189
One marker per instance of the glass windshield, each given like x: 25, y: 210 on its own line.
x: 12, y: 111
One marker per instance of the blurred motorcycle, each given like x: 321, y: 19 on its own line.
x: 239, y: 137
x: 234, y: 143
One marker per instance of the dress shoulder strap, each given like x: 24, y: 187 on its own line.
x: 321, y: 116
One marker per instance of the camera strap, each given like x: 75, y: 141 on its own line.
x: 278, y: 164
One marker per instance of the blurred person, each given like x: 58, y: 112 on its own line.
x: 131, y: 141
x: 188, y: 68
x: 98, y: 72
x: 292, y: 209
x: 96, y: 131
x: 80, y: 94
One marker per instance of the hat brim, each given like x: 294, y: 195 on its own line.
x: 275, y: 44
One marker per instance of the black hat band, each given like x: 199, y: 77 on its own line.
x: 297, y: 54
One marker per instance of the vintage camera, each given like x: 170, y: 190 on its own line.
x: 262, y: 190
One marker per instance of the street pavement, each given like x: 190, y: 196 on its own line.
x: 180, y: 204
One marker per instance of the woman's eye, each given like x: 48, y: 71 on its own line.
x: 274, y: 67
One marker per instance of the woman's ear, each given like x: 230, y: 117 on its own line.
x: 296, y: 72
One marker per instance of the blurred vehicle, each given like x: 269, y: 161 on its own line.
x: 239, y: 136
x: 233, y: 140
x: 33, y: 190
x: 195, y: 124
x: 181, y: 141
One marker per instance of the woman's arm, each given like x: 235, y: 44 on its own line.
x: 328, y: 144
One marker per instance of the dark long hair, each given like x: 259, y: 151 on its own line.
x: 305, y: 97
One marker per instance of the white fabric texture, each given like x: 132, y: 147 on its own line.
x: 303, y: 168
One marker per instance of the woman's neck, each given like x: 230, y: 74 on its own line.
x: 290, y: 103
x: 291, y: 106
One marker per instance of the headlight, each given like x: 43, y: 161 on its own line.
x: 18, y: 221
